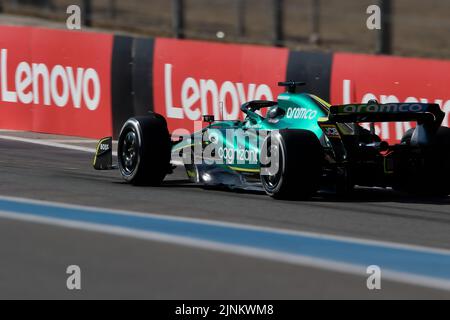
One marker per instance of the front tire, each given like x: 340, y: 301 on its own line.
x: 144, y: 150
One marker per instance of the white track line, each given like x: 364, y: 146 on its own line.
x: 313, y: 262
x: 306, y: 261
x: 49, y: 143
x: 347, y: 239
x: 58, y: 144
x: 215, y: 222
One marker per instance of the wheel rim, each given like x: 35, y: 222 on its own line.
x: 129, y: 152
x: 274, y: 176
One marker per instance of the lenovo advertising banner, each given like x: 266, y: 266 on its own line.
x: 192, y: 78
x: 359, y: 78
x: 55, y: 81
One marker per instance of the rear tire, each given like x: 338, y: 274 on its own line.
x: 144, y: 150
x: 432, y: 177
x: 296, y: 157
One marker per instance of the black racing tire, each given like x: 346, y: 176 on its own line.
x: 144, y: 150
x: 432, y: 178
x: 298, y: 157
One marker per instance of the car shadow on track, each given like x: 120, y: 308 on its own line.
x: 359, y: 195
x: 381, y: 195
x: 188, y: 184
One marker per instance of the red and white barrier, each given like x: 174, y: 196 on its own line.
x: 58, y: 81
x: 55, y: 81
x: 191, y: 77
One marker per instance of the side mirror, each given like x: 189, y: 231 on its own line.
x: 208, y: 118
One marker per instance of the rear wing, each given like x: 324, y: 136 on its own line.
x: 423, y: 113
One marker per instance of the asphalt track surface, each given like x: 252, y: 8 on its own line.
x: 34, y: 256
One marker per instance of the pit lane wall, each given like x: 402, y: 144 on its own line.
x: 87, y: 84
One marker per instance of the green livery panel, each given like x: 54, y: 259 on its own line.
x: 239, y: 142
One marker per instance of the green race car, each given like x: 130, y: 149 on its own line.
x: 291, y: 148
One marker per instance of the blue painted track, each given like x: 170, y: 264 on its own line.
x: 409, y: 260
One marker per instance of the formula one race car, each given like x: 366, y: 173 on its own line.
x: 292, y: 148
